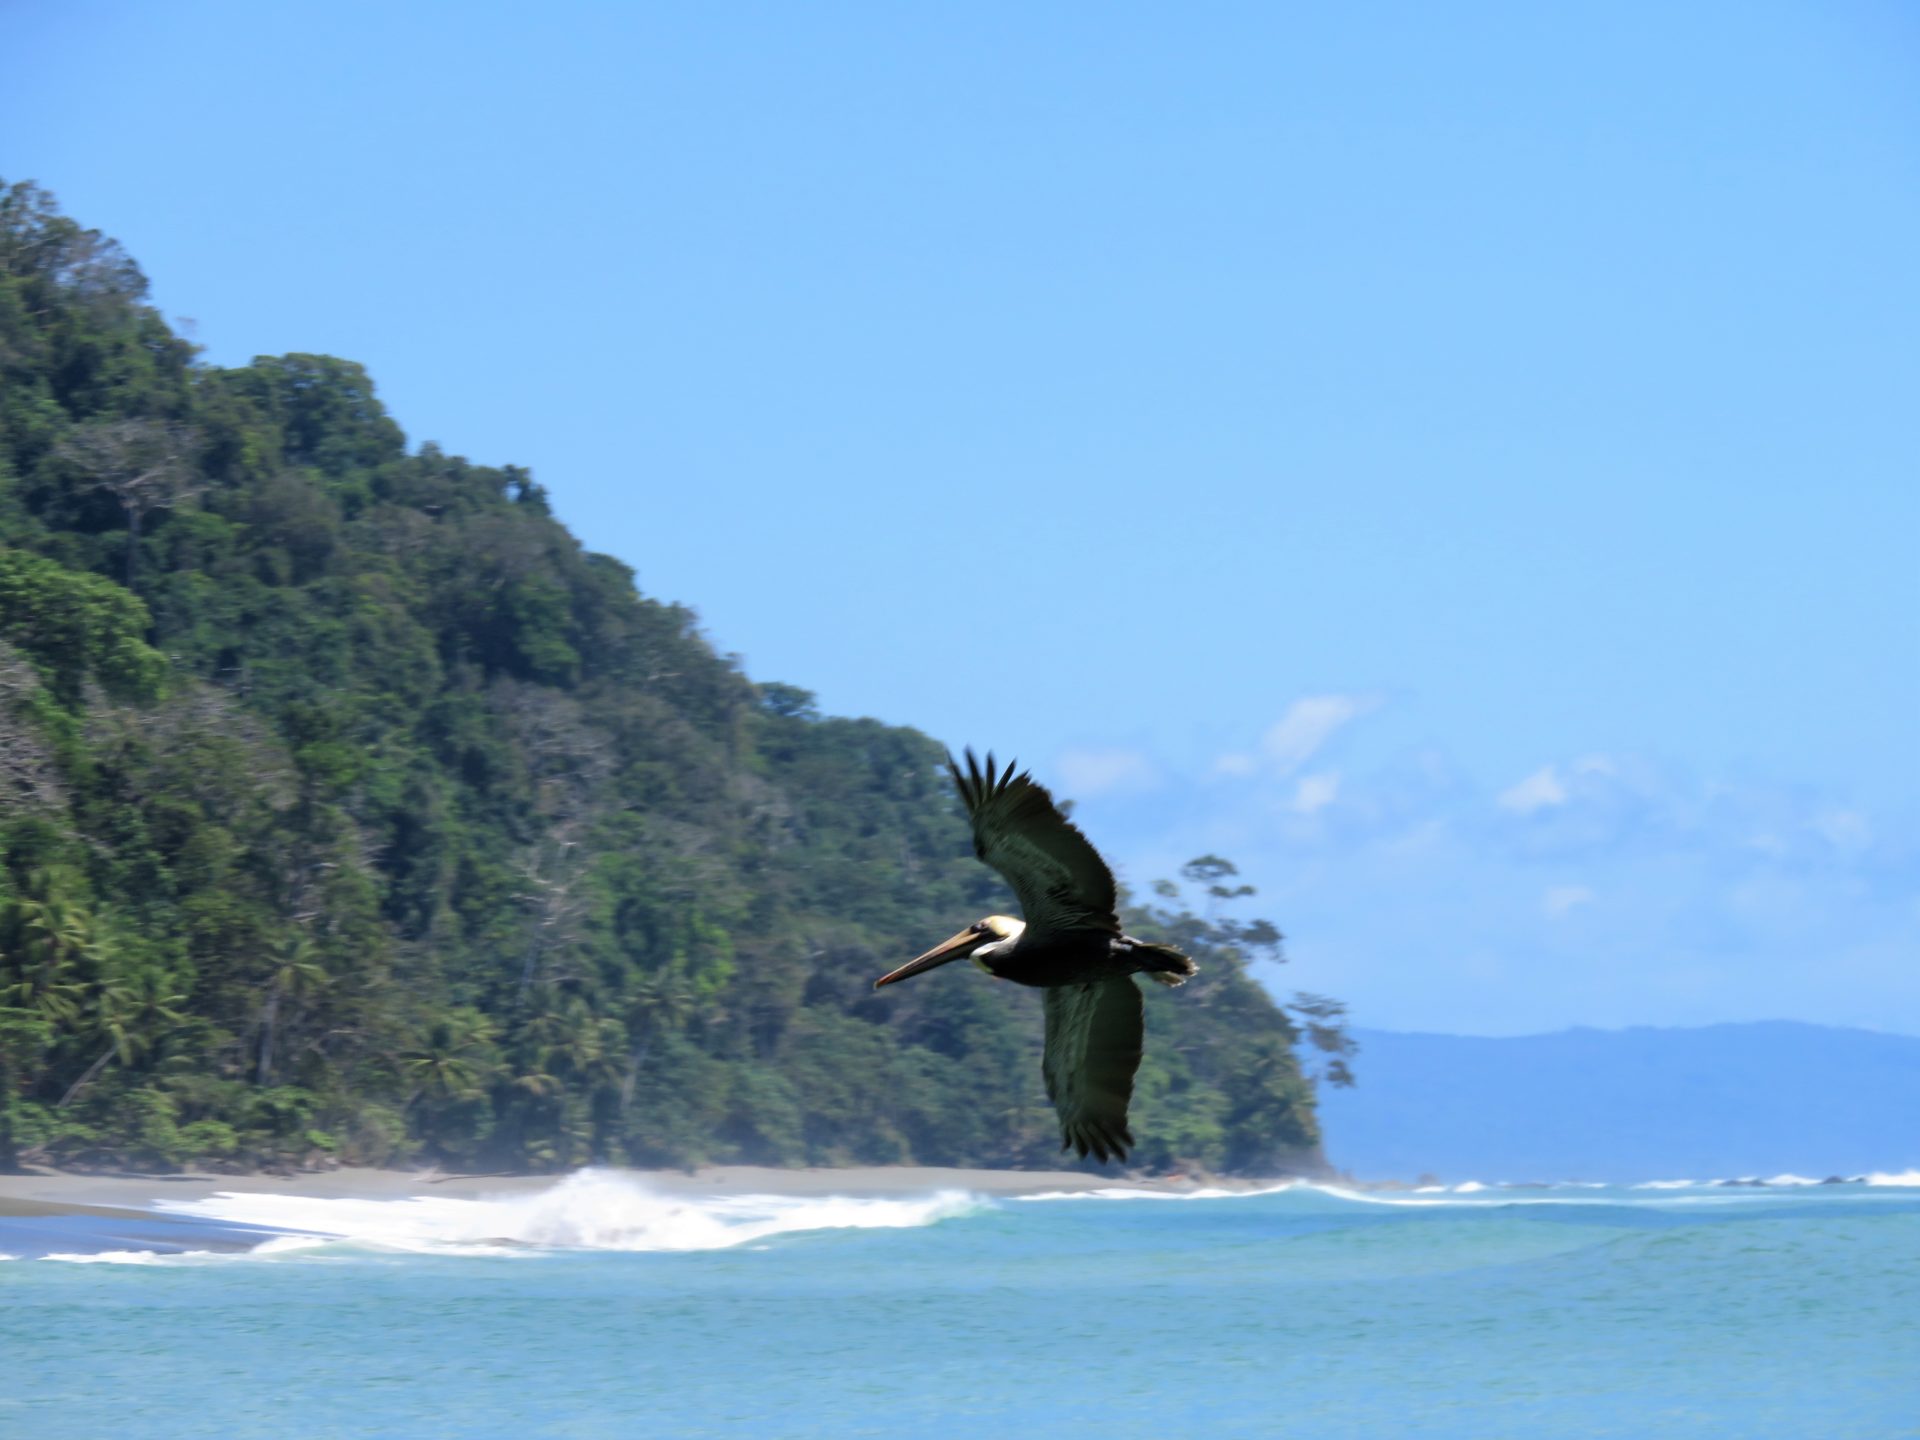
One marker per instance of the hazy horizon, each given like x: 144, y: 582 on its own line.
x: 1361, y: 1031
x: 1643, y: 1104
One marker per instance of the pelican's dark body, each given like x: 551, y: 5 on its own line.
x: 1068, y: 946
x: 1080, y: 958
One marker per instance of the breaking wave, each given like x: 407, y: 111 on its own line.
x: 601, y: 1210
x: 589, y: 1210
x: 1481, y: 1194
x: 1909, y: 1179
x: 133, y: 1257
x: 1128, y: 1192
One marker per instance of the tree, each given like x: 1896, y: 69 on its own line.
x: 1320, y: 1018
x: 656, y: 1004
x: 1326, y: 1027
x: 43, y: 936
x: 1211, y: 871
x: 29, y: 775
x: 24, y: 1038
x: 77, y: 626
x: 145, y: 465
x: 38, y: 243
x: 293, y: 977
x: 449, y: 1065
x: 132, y: 1013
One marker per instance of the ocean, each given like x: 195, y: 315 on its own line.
x: 598, y: 1308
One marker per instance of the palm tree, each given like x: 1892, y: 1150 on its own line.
x: 657, y: 1004
x: 294, y: 978
x: 444, y: 1068
x: 448, y: 1069
x: 132, y: 1013
x: 23, y: 1038
x: 43, y: 937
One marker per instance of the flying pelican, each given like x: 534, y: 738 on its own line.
x: 1069, y: 945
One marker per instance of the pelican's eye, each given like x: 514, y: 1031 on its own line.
x: 980, y: 927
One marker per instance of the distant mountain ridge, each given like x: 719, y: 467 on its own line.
x: 1644, y: 1103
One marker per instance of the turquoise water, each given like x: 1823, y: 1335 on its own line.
x: 599, y: 1309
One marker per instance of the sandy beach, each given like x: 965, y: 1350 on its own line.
x: 48, y: 1193
x: 47, y: 1213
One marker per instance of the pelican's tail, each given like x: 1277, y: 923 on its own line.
x: 1162, y: 963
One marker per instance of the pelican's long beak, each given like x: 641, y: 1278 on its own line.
x: 954, y: 949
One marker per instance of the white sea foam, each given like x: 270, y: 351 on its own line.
x: 1909, y: 1179
x: 131, y: 1257
x: 1375, y: 1197
x: 1474, y: 1193
x: 1285, y: 1187
x: 1480, y: 1194
x: 590, y: 1210
x: 1470, y: 1195
x: 602, y: 1210
x: 1906, y: 1179
x: 1119, y: 1192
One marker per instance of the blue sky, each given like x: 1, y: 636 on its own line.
x: 1458, y: 461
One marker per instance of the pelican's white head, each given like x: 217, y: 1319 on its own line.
x: 995, y: 935
x: 1004, y: 927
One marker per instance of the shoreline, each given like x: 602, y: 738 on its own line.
x: 46, y: 1193
x: 67, y: 1215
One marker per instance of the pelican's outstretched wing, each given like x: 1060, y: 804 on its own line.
x: 1093, y: 1047
x: 1062, y: 882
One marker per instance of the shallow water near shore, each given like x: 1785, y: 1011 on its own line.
x: 600, y: 1307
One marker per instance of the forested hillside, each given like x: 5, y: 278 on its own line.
x: 350, y: 808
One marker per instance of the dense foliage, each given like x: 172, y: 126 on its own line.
x: 349, y: 808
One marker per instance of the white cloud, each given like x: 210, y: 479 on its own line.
x: 1537, y: 792
x: 1085, y: 773
x: 1559, y: 899
x: 1235, y: 764
x: 1308, y: 724
x: 1316, y: 792
x: 1603, y: 888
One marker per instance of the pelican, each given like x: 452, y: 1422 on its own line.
x: 1069, y: 945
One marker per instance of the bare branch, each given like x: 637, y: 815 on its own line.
x: 28, y: 774
x: 146, y: 465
